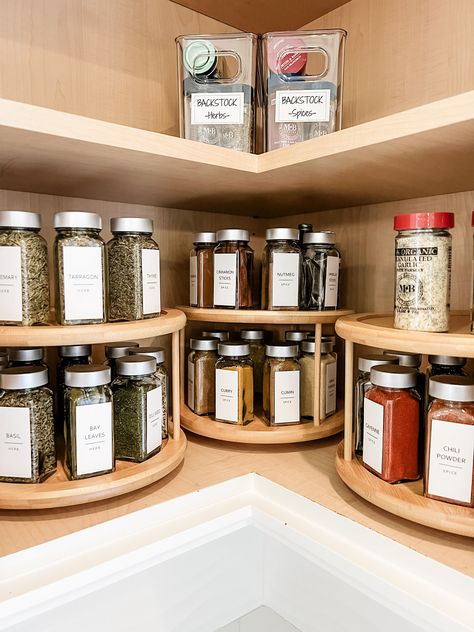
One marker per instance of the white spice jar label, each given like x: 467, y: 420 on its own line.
x: 332, y: 281
x: 15, y: 442
x: 83, y: 283
x: 191, y: 403
x: 451, y: 460
x: 305, y: 106
x: 94, y: 438
x: 287, y: 396
x: 10, y: 284
x: 227, y: 395
x: 193, y: 289
x: 154, y: 418
x: 218, y: 108
x: 151, y: 281
x: 373, y: 435
x: 225, y: 279
x: 331, y: 373
x: 285, y: 279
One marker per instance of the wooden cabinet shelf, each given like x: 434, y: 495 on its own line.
x: 427, y: 150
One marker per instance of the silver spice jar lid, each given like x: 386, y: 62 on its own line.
x: 204, y: 238
x: 3, y: 360
x: 75, y: 351
x: 325, y: 237
x: 119, y: 349
x: 86, y: 375
x: 282, y: 350
x: 204, y: 344
x: 153, y: 352
x: 446, y: 360
x: 309, y: 346
x: 329, y: 339
x: 233, y: 234
x: 233, y: 349
x: 393, y: 376
x: 405, y: 358
x: 25, y: 354
x: 297, y: 336
x: 374, y: 359
x: 252, y: 334
x: 20, y: 219
x: 131, y: 225
x: 220, y: 334
x: 455, y: 388
x: 290, y: 234
x: 77, y: 219
x: 136, y: 365
x: 18, y: 378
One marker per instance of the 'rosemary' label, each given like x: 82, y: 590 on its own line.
x: 306, y: 106
x: 287, y: 396
x: 15, y: 442
x: 151, y: 281
x: 10, y: 284
x: 94, y: 438
x: 373, y: 435
x: 154, y: 418
x: 83, y: 286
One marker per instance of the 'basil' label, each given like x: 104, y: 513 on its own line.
x: 15, y: 442
x: 219, y: 108
x: 306, y: 106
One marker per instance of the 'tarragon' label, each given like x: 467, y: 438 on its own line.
x: 219, y: 108
x: 305, y: 106
x: 10, y: 284
x: 83, y: 283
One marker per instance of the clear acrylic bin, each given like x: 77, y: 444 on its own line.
x: 216, y: 75
x: 302, y: 74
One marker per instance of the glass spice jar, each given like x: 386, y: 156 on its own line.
x: 138, y: 408
x: 442, y: 365
x: 162, y: 374
x: 234, y: 383
x: 201, y: 270
x: 255, y: 338
x: 281, y: 268
x: 220, y: 334
x: 281, y: 384
x: 363, y: 384
x: 327, y: 380
x: 79, y: 252
x: 27, y: 356
x: 298, y: 336
x: 202, y: 375
x: 27, y: 451
x: 4, y: 359
x: 133, y: 259
x: 233, y: 270
x: 24, y: 279
x: 302, y: 230
x: 392, y: 424
x: 69, y: 355
x: 115, y: 350
x: 449, y: 470
x: 423, y: 271
x: 88, y: 421
x: 320, y: 278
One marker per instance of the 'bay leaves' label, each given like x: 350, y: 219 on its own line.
x: 83, y: 283
x: 218, y: 108
x: 305, y: 106
x: 373, y: 434
x: 94, y: 438
x: 10, y: 284
x: 15, y: 442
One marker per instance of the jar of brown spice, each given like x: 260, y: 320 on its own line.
x: 233, y: 269
x: 201, y: 270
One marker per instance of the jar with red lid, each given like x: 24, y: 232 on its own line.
x: 423, y: 271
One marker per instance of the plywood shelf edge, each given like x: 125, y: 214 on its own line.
x: 262, y: 317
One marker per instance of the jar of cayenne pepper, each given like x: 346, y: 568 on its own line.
x: 449, y: 471
x: 392, y: 424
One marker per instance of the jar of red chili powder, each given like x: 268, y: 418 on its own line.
x: 449, y: 472
x: 392, y: 424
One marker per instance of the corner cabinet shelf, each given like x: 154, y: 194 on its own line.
x: 405, y: 499
x: 257, y: 431
x: 57, y: 490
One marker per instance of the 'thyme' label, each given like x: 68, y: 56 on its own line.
x: 217, y: 108
x: 306, y: 106
x: 451, y: 460
x: 154, y: 418
x: 193, y: 289
x: 191, y: 385
x: 10, y: 284
x: 94, y: 438
x: 225, y: 279
x: 285, y: 279
x: 227, y: 395
x: 15, y: 442
x: 287, y: 396
x: 151, y: 281
x: 331, y: 373
x: 373, y: 435
x: 83, y: 283
x: 332, y: 282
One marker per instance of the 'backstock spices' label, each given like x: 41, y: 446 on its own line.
x: 305, y: 106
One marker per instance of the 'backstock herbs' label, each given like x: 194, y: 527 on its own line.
x: 217, y: 108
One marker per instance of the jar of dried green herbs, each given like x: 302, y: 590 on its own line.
x: 24, y: 280
x: 88, y: 423
x: 133, y: 259
x: 162, y: 374
x: 234, y: 383
x: 255, y: 338
x: 201, y: 375
x: 79, y: 252
x: 281, y: 384
x: 27, y: 452
x: 27, y: 356
x: 221, y: 334
x: 138, y: 408
x: 69, y: 355
x: 115, y: 350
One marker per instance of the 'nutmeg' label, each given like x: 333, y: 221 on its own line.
x: 10, y: 284
x: 287, y: 396
x: 15, y: 442
x: 285, y: 279
x: 218, y: 108
x: 305, y: 106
